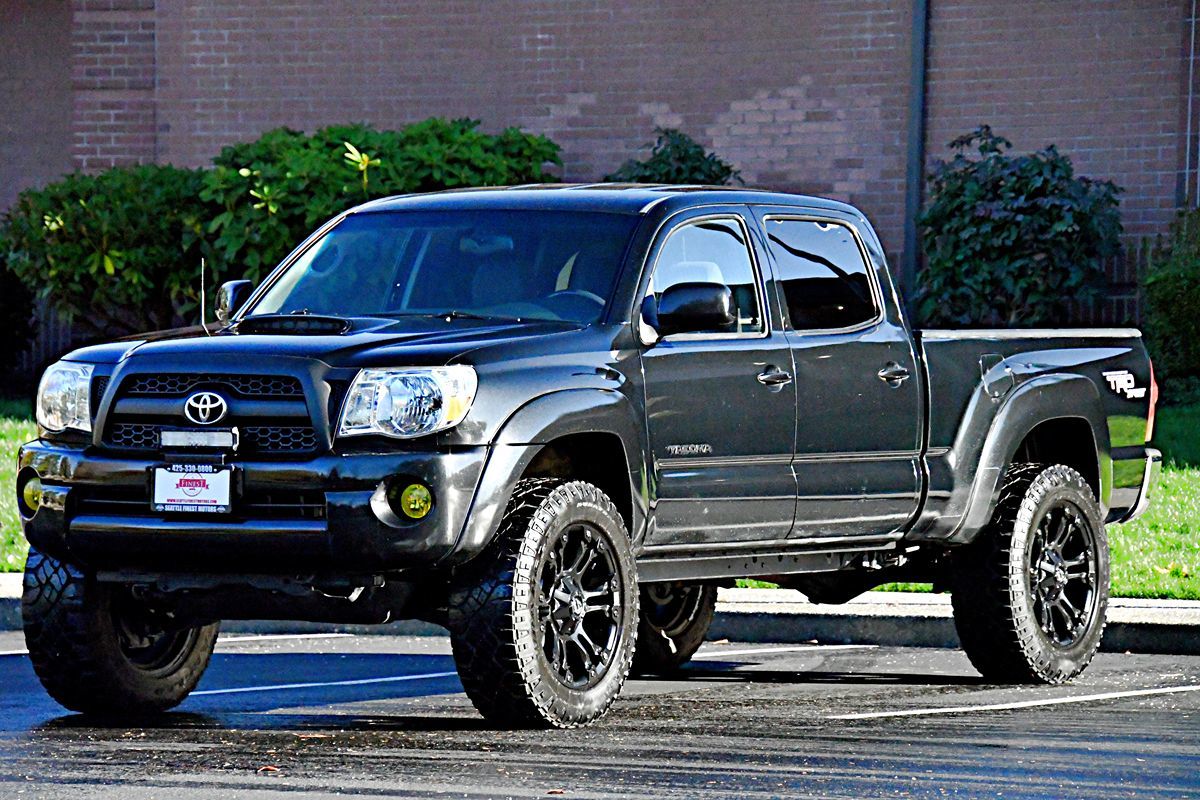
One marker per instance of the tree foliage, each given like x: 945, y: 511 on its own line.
x: 1172, y: 295
x: 116, y: 252
x: 270, y: 193
x: 120, y: 252
x: 1011, y: 239
x: 676, y: 158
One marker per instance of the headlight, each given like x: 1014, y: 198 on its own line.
x: 408, y: 402
x: 64, y: 397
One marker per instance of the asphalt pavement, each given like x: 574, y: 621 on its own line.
x: 381, y: 716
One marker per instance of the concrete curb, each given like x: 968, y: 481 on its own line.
x: 764, y: 615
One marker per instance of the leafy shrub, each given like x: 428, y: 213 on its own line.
x: 273, y: 191
x: 116, y: 252
x: 1010, y: 240
x: 1172, y: 294
x: 676, y: 158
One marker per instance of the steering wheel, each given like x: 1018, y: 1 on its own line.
x: 577, y: 303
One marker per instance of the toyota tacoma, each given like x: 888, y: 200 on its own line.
x: 554, y: 420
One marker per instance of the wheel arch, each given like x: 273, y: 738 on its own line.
x: 1057, y: 418
x: 582, y: 434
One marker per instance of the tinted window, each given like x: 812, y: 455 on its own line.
x: 713, y: 251
x: 825, y: 280
x: 550, y: 265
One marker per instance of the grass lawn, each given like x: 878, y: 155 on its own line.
x: 1157, y: 555
x: 15, y: 429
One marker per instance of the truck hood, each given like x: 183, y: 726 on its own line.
x: 367, y: 342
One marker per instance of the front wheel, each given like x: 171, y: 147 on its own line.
x: 98, y: 649
x: 1031, y: 595
x: 543, y: 625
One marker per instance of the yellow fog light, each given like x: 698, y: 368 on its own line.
x: 31, y: 496
x: 415, y: 501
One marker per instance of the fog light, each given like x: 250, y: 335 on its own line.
x: 31, y: 496
x: 415, y: 501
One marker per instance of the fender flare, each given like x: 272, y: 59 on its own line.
x: 1036, y: 401
x: 536, y: 424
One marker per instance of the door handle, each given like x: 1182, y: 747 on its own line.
x: 893, y: 374
x: 774, y: 376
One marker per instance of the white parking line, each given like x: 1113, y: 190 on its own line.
x: 281, y: 687
x: 797, y: 649
x: 247, y: 638
x: 271, y: 637
x: 1058, y: 701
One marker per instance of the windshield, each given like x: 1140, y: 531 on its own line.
x: 544, y: 265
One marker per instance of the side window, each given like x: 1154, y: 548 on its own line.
x: 825, y: 280
x: 712, y: 251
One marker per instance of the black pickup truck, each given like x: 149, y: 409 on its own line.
x: 554, y: 420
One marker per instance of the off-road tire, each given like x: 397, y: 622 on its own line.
x: 73, y: 632
x: 994, y: 595
x: 494, y: 613
x: 672, y: 625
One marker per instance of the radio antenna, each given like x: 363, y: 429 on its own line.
x: 203, y: 300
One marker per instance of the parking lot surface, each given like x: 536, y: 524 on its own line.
x: 384, y: 716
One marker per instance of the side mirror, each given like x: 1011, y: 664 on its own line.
x: 692, y: 307
x: 230, y: 297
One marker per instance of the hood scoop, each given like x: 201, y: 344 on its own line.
x: 294, y: 324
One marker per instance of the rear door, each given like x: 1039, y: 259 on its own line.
x: 859, y: 394
x: 720, y: 404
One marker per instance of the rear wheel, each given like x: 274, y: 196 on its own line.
x: 98, y: 649
x: 675, y: 618
x: 1031, y: 596
x: 543, y: 626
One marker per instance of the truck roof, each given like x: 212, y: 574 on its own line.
x: 621, y: 198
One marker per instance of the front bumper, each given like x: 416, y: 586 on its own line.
x: 341, y: 534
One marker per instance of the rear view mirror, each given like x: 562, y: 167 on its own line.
x: 230, y: 297
x: 694, y: 307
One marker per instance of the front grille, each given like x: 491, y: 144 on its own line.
x: 107, y: 502
x: 244, y: 385
x: 134, y: 436
x: 263, y: 439
x: 270, y: 412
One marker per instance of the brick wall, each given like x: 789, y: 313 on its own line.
x: 35, y: 100
x: 807, y: 96
x: 113, y: 80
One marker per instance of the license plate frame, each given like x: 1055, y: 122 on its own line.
x: 192, y: 488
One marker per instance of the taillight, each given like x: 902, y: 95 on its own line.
x: 1153, y: 403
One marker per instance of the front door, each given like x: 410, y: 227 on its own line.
x: 720, y: 404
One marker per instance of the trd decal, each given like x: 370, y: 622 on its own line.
x: 1122, y: 382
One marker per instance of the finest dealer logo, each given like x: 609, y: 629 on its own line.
x: 191, y: 485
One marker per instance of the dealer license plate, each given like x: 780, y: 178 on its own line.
x: 193, y: 488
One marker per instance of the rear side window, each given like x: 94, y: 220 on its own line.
x: 712, y: 251
x: 825, y: 280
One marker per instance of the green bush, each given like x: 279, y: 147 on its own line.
x: 273, y: 191
x: 676, y: 158
x: 116, y: 252
x: 1010, y: 240
x: 1172, y: 294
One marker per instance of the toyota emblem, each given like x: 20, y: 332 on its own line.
x: 205, y: 408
